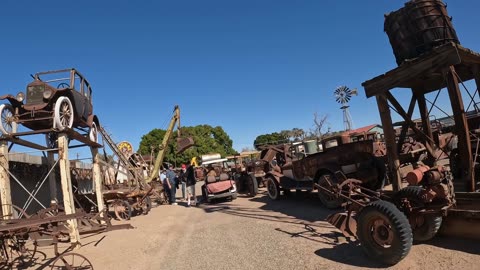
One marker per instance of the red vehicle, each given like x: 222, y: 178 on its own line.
x: 54, y: 100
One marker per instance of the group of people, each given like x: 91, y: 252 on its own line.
x: 185, y: 178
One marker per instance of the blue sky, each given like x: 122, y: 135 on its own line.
x: 250, y: 66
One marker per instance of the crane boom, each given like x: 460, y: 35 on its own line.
x: 163, y: 146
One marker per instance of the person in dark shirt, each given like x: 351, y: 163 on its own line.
x: 190, y: 181
x: 172, y: 178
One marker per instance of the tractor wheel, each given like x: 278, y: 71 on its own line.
x: 252, y: 185
x: 384, y: 232
x: 328, y: 200
x: 146, y: 205
x: 424, y: 227
x: 273, y: 188
x: 122, y: 209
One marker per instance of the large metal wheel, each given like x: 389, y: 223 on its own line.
x: 146, y: 205
x: 63, y: 114
x: 93, y: 133
x: 273, y: 189
x: 328, y: 200
x: 71, y: 261
x: 8, y: 124
x: 384, y: 232
x: 22, y: 252
x: 122, y: 209
x: 424, y: 226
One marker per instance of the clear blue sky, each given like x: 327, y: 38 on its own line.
x: 250, y: 66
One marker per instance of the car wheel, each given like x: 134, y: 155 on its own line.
x: 8, y: 125
x: 63, y: 113
x: 93, y: 133
x: 273, y: 188
x: 328, y: 200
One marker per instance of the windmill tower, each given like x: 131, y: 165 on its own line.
x: 343, y: 95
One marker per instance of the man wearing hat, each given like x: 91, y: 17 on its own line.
x: 182, y: 177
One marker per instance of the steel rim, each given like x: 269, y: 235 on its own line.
x: 381, y: 232
x: 7, y: 119
x: 65, y: 113
x: 72, y: 261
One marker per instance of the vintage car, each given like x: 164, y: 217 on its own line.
x: 54, y: 100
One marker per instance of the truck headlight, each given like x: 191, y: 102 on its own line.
x: 47, y: 93
x: 20, y: 97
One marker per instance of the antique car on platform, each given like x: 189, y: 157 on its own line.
x: 55, y: 100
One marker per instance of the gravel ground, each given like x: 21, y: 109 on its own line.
x: 251, y: 233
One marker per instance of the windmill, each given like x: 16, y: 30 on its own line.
x: 343, y: 95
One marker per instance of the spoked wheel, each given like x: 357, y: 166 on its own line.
x: 424, y: 227
x: 71, y: 261
x: 146, y: 205
x: 123, y: 210
x: 273, y: 188
x: 384, y: 232
x: 63, y: 113
x: 252, y: 184
x: 328, y: 200
x: 22, y: 252
x: 8, y: 124
x: 93, y: 133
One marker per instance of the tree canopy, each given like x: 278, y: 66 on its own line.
x: 207, y: 140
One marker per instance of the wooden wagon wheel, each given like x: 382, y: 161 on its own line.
x: 71, y: 261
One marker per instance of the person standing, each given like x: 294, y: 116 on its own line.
x: 171, y: 179
x: 190, y: 182
x: 183, y: 179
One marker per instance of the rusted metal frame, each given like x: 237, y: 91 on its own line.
x: 350, y: 199
x: 434, y: 101
x: 21, y: 185
x: 34, y: 222
x: 404, y: 115
x: 403, y: 131
x: 37, y: 189
x: 389, y: 135
x: 466, y: 90
x: 464, y: 144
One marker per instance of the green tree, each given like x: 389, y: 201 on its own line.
x: 272, y: 138
x: 207, y: 140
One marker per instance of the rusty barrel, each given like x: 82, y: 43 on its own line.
x: 418, y: 27
x: 432, y: 24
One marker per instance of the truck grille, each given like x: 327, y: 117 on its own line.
x: 35, y: 94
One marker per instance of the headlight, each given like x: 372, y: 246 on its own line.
x: 20, y: 96
x: 47, y: 93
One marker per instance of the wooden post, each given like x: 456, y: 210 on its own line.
x: 97, y: 180
x: 51, y: 178
x: 5, y: 191
x: 426, y: 126
x: 461, y: 128
x: 389, y: 133
x: 68, y: 201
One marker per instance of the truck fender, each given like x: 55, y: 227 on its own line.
x: 274, y: 175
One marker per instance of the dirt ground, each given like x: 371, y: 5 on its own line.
x: 251, y: 233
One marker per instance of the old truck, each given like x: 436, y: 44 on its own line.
x: 300, y: 166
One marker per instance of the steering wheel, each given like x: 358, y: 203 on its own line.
x: 63, y: 85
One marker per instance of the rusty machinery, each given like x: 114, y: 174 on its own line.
x: 423, y: 198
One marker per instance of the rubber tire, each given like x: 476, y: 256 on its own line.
x: 272, y: 185
x: 93, y: 132
x: 8, y: 107
x: 239, y: 182
x: 400, y: 226
x: 330, y: 204
x: 431, y: 223
x: 204, y: 194
x: 56, y: 113
x: 252, y: 185
x: 128, y: 208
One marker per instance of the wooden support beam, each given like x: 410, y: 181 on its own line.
x: 403, y: 132
x: 461, y: 129
x: 51, y: 178
x: 97, y: 180
x: 5, y: 191
x: 68, y: 202
x: 426, y: 126
x: 428, y: 140
x: 389, y: 134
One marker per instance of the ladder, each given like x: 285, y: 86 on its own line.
x: 135, y: 170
